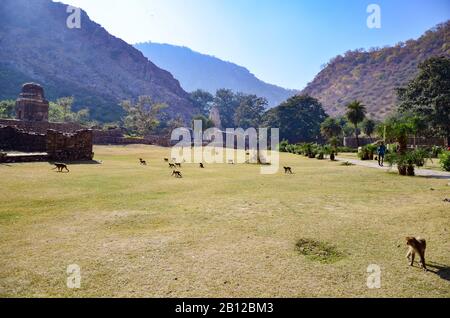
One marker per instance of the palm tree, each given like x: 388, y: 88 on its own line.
x: 356, y: 112
x: 369, y: 127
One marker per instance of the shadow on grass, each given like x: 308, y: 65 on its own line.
x: 76, y: 163
x: 443, y: 271
x: 435, y: 177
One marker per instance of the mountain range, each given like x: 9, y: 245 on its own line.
x: 372, y: 77
x: 98, y: 69
x: 199, y: 71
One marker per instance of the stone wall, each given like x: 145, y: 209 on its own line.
x: 59, y: 146
x: 41, y: 127
x: 70, y: 147
x: 12, y: 138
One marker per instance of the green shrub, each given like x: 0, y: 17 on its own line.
x: 436, y: 151
x: 367, y: 152
x: 282, y: 147
x: 346, y: 149
x: 445, y: 160
x: 420, y: 156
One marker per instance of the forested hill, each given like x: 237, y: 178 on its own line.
x: 98, y: 69
x: 373, y: 76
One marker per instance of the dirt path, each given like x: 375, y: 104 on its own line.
x: 419, y: 172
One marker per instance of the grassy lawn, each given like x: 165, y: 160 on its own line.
x: 223, y: 231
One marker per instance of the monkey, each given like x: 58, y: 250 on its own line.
x: 231, y: 162
x: 177, y: 174
x: 166, y: 159
x: 416, y: 245
x: 143, y: 162
x: 171, y: 166
x: 202, y: 166
x: 288, y: 170
x: 60, y: 167
x: 178, y: 164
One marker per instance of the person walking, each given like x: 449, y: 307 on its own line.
x: 381, y: 153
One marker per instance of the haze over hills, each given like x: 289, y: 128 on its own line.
x: 372, y: 77
x: 98, y: 69
x: 199, y: 71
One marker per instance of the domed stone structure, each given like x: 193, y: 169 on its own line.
x: 31, y: 104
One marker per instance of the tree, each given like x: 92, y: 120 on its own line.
x: 7, y: 108
x: 61, y: 111
x: 227, y: 103
x: 141, y: 118
x: 368, y: 127
x: 330, y: 128
x: 299, y: 119
x: 66, y: 104
x: 250, y: 111
x: 206, y: 122
x: 356, y: 112
x: 428, y: 95
x: 398, y: 128
x: 202, y: 101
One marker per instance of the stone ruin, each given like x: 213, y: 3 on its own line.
x: 32, y: 133
x: 31, y: 104
x: 70, y: 147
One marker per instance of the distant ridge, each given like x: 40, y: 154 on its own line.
x: 199, y: 71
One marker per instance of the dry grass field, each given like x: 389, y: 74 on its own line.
x: 225, y: 231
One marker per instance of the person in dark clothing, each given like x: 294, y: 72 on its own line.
x: 381, y: 153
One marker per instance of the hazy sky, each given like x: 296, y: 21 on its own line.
x: 283, y: 42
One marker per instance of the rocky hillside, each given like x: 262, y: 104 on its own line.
x: 373, y: 76
x: 88, y: 63
x: 199, y: 71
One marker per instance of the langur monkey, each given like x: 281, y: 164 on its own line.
x: 288, y: 170
x: 177, y: 174
x: 416, y: 245
x: 60, y: 167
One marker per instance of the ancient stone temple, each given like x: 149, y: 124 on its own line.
x: 37, y: 138
x: 214, y: 115
x: 31, y: 104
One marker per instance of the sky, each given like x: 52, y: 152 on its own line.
x: 283, y: 42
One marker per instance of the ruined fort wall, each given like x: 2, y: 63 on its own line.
x: 15, y: 139
x: 58, y: 146
x: 41, y: 127
x: 70, y: 147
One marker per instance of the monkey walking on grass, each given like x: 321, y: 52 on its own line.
x: 416, y: 245
x: 143, y: 162
x: 177, y: 174
x: 60, y: 167
x: 288, y: 170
